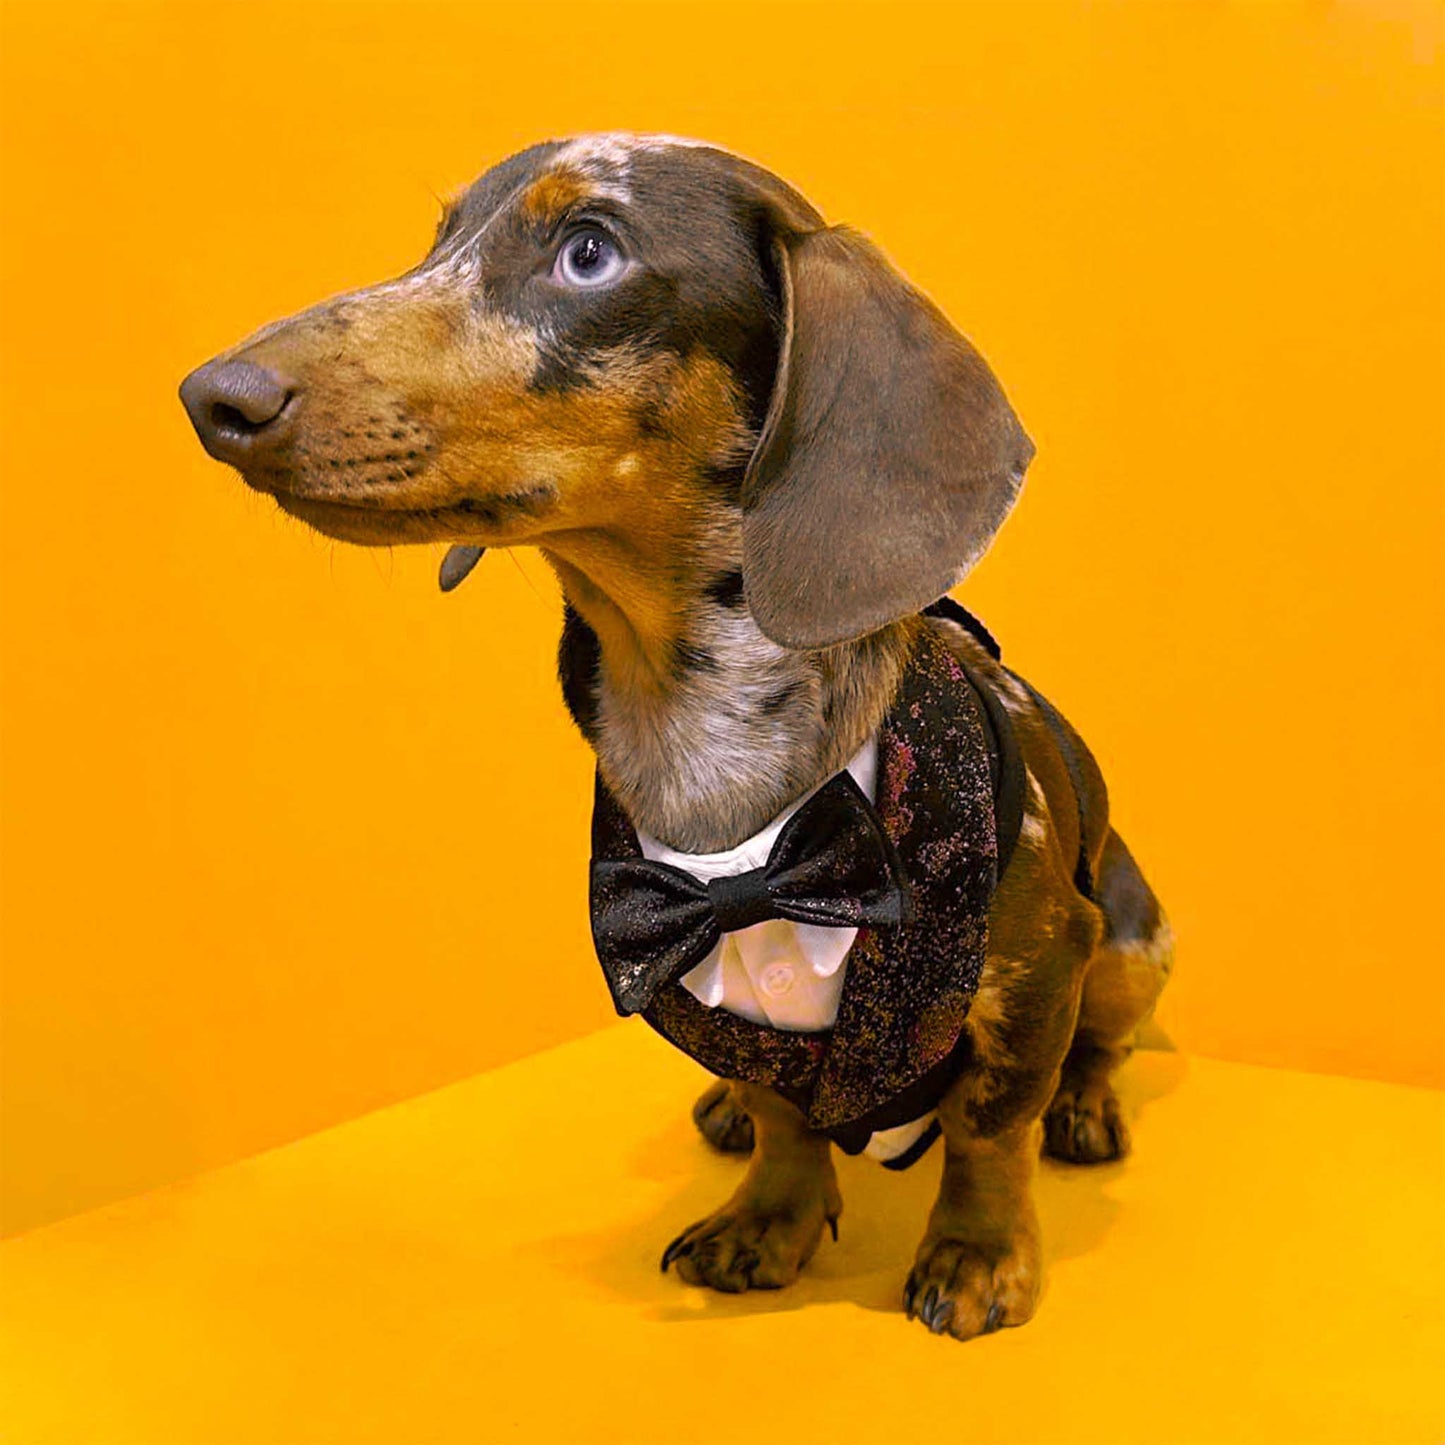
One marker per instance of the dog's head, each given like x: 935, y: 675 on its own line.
x: 611, y: 333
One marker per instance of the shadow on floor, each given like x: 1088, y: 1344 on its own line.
x: 883, y: 1220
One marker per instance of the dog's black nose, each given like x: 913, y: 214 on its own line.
x: 238, y: 409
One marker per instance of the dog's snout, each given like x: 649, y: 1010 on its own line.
x: 237, y: 408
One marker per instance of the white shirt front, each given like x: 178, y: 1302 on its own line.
x: 782, y: 974
x: 787, y: 975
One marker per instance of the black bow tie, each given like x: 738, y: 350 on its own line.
x: 832, y: 864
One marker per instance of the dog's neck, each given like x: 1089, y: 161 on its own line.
x: 705, y: 729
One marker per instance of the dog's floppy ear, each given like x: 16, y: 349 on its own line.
x: 889, y: 457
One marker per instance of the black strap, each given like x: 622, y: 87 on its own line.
x: 1009, y: 775
x: 954, y: 611
x: 917, y: 1149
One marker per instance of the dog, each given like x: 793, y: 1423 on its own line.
x: 756, y: 458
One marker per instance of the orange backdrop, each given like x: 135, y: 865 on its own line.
x: 288, y: 835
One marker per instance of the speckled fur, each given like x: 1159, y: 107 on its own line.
x: 471, y: 401
x: 742, y: 726
x: 908, y: 990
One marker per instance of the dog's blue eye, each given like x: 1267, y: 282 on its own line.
x: 590, y: 258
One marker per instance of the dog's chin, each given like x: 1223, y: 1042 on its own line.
x: 385, y: 527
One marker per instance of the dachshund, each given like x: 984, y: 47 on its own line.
x: 756, y: 458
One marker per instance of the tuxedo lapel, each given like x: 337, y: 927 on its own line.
x: 907, y: 991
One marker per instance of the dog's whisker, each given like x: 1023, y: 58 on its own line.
x: 526, y: 577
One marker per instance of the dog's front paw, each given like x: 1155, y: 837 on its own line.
x: 722, y: 1121
x: 1085, y: 1125
x: 744, y: 1246
x: 965, y: 1289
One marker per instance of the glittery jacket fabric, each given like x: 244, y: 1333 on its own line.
x: 887, y: 1059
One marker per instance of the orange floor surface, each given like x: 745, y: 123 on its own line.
x: 480, y: 1264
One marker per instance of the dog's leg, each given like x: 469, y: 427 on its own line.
x: 1125, y: 976
x: 769, y: 1229
x: 722, y: 1121
x: 980, y: 1265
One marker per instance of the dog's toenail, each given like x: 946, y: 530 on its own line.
x: 680, y: 1246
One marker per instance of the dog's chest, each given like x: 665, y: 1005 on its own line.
x: 901, y: 1000
x: 782, y: 974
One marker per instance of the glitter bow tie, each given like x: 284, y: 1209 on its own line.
x: 832, y: 864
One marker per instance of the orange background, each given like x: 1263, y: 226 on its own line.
x: 287, y: 835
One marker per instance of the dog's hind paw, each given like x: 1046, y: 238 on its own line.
x: 1085, y: 1125
x: 721, y: 1121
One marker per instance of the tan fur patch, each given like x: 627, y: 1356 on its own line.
x: 418, y: 402
x: 989, y: 1013
x: 550, y: 197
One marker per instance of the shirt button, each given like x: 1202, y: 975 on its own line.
x: 777, y: 979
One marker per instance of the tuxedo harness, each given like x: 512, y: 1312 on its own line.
x: 882, y: 905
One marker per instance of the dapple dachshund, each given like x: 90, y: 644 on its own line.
x: 756, y: 459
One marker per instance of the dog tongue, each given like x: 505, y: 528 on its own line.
x: 458, y: 562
